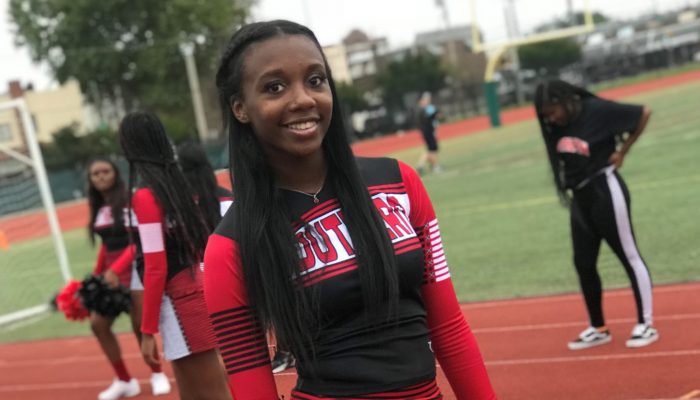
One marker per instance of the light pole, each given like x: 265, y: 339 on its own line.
x: 514, y: 33
x: 187, y: 50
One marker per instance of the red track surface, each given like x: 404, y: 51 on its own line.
x: 74, y: 215
x: 523, y: 342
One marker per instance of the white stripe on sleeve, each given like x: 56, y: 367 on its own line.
x: 151, y: 237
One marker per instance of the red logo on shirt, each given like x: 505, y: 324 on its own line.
x: 573, y: 145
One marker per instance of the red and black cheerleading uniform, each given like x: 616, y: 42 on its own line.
x: 356, y: 358
x: 173, y: 299
x: 116, y: 252
x: 601, y: 203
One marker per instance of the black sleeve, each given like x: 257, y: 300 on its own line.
x: 620, y: 117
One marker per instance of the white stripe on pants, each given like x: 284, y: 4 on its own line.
x: 624, y: 230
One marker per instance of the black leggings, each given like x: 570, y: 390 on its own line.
x: 601, y: 210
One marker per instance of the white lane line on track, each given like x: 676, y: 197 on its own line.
x: 67, y: 386
x: 99, y: 358
x: 559, y: 325
x: 602, y: 357
x: 620, y: 292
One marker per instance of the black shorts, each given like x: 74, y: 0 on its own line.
x: 430, y: 140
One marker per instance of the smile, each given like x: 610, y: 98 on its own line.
x: 302, y: 126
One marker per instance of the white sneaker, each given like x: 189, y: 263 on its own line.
x: 160, y: 384
x: 642, y: 335
x: 590, y: 337
x: 119, y: 388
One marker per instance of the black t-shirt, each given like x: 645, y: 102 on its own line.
x: 427, y: 117
x: 586, y: 143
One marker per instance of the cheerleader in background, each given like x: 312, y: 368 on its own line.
x: 172, y: 234
x: 107, y: 202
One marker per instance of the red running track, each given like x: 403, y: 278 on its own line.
x: 75, y: 215
x: 523, y: 342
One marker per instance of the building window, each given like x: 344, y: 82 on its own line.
x: 5, y: 133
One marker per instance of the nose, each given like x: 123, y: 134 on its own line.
x: 301, y: 99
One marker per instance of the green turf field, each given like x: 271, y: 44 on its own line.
x: 504, y: 231
x: 507, y: 236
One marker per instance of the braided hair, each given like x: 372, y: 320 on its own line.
x: 269, y: 251
x: 150, y: 154
x: 200, y: 176
x: 96, y: 199
x: 571, y: 98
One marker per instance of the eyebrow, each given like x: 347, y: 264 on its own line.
x: 281, y: 71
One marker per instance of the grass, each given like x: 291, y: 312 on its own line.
x: 504, y: 232
x: 29, y: 275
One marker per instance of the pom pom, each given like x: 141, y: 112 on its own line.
x: 107, y: 301
x: 68, y: 302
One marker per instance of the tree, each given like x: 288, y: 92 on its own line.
x: 416, y: 73
x: 579, y: 18
x: 68, y: 149
x: 550, y: 55
x: 127, y: 52
x: 350, y: 97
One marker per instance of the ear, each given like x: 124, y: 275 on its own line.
x: 239, y: 111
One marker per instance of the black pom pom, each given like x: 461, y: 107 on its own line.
x: 107, y: 301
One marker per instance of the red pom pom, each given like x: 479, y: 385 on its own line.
x: 68, y: 302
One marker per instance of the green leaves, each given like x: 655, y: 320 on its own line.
x: 415, y: 73
x: 126, y: 52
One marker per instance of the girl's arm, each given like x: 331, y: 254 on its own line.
x: 242, y: 342
x: 150, y: 217
x: 617, y: 158
x: 126, y: 258
x: 452, y: 340
x: 100, y: 262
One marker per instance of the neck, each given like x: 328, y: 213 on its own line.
x: 107, y: 197
x: 305, y: 175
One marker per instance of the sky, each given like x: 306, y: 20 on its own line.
x: 397, y: 20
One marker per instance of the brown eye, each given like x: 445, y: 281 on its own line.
x: 274, y: 88
x: 317, y: 80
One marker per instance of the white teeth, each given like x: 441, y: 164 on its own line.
x: 302, y: 125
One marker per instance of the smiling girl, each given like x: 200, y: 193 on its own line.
x: 340, y: 256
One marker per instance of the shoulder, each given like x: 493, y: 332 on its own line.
x: 385, y: 170
x: 379, y: 170
x: 143, y: 195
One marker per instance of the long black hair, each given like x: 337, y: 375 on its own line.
x: 202, y: 180
x: 263, y: 225
x: 116, y: 194
x: 571, y: 97
x: 150, y: 154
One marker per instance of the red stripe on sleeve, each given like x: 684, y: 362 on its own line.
x: 241, y: 339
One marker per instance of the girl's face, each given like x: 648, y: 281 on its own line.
x: 555, y: 114
x: 285, y: 96
x: 101, y: 176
